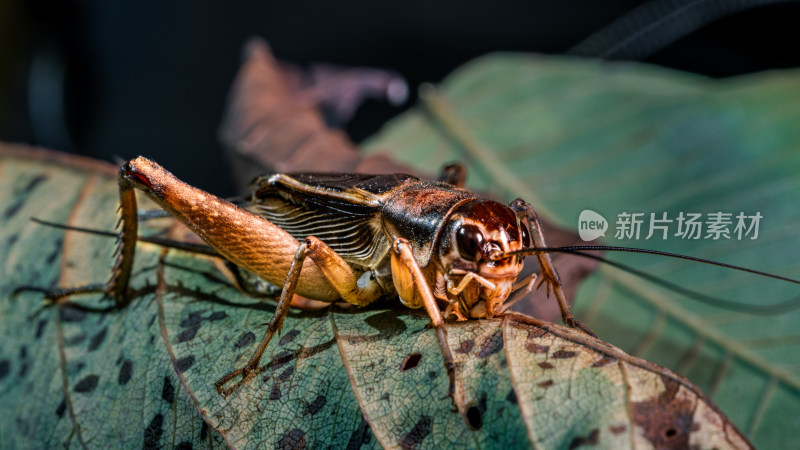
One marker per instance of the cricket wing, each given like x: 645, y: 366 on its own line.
x: 342, y: 210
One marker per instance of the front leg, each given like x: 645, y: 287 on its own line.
x: 549, y: 275
x: 414, y: 291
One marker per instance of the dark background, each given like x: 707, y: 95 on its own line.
x: 108, y: 79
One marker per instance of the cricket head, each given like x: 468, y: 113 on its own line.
x: 477, y: 236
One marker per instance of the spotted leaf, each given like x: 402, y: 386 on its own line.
x: 144, y: 375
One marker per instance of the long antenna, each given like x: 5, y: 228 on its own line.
x: 611, y: 248
x: 736, y: 306
x: 186, y: 246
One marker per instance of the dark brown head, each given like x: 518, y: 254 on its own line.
x: 477, y: 235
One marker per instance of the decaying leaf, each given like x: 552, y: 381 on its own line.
x: 339, y: 91
x: 264, y: 113
x: 144, y: 375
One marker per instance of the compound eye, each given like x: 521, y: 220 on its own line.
x: 525, y: 237
x: 469, y: 240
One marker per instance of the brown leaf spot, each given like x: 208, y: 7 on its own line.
x: 294, y: 439
x: 168, y: 391
x: 618, y: 429
x: 667, y: 419
x: 23, y: 356
x: 281, y: 359
x: 40, y: 328
x: 71, y: 314
x: 183, y: 364
x: 474, y: 414
x: 286, y: 374
x: 51, y: 257
x: 516, y: 324
x: 217, y: 315
x: 188, y: 334
x: 75, y: 340
x: 413, y: 439
x: 153, y: 432
x: 410, y: 361
x: 474, y: 417
x: 360, y: 436
x: 5, y: 368
x: 491, y: 345
x: 288, y: 337
x: 604, y: 361
x: 536, y: 333
x: 86, y: 384
x: 466, y: 346
x: 545, y: 384
x: 98, y: 339
x: 546, y: 365
x: 275, y: 393
x: 314, y: 407
x: 125, y: 372
x: 247, y: 339
x: 590, y: 439
x: 536, y: 348
x: 15, y: 207
x: 563, y: 354
x: 196, y: 319
x: 35, y: 181
x: 511, y: 397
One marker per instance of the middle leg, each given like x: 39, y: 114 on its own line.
x: 336, y: 271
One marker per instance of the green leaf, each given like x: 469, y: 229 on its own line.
x: 569, y: 134
x: 70, y: 377
x: 144, y: 375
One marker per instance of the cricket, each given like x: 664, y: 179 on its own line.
x: 356, y: 238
